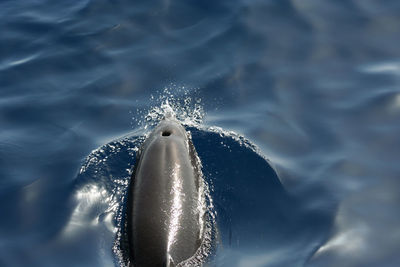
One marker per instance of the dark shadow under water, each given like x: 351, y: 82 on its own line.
x: 257, y: 219
x: 257, y: 222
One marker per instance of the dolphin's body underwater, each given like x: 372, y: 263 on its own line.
x: 165, y: 208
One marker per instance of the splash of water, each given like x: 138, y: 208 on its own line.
x: 176, y: 102
x: 181, y: 105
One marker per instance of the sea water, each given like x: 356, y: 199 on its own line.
x: 293, y: 106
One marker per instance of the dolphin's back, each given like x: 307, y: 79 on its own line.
x: 164, y: 215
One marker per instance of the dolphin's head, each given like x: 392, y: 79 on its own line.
x: 165, y: 213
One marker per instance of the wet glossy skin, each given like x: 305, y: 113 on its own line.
x: 164, y: 211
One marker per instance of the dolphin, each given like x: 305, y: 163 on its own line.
x: 165, y: 211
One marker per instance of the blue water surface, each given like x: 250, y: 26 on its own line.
x: 312, y: 86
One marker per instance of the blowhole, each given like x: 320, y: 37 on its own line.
x: 166, y: 133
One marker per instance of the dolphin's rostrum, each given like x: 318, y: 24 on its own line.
x: 165, y: 208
